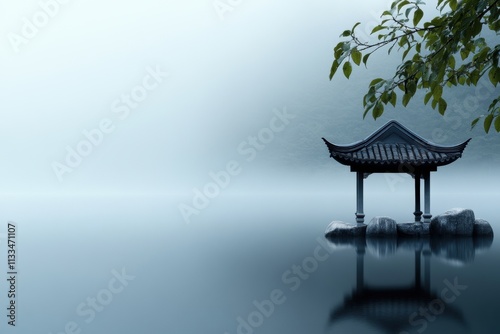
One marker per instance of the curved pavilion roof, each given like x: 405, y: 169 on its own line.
x: 392, y: 146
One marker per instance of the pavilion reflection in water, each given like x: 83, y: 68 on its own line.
x: 390, y: 309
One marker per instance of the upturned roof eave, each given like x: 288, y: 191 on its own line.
x: 389, y: 125
x: 394, y: 163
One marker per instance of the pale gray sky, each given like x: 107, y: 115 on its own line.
x: 69, y: 67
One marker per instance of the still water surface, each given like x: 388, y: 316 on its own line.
x: 247, y: 264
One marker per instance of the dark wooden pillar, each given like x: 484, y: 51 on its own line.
x: 417, y: 213
x: 360, y: 216
x: 427, y: 197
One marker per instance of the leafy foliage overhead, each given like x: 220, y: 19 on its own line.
x: 447, y: 50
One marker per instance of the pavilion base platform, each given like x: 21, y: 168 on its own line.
x: 452, y: 223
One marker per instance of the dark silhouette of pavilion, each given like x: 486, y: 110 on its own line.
x: 395, y: 149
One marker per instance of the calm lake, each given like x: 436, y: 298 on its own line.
x: 246, y: 264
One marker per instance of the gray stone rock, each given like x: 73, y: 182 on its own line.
x: 413, y: 229
x: 453, y: 222
x: 482, y: 227
x: 381, y: 227
x: 341, y: 229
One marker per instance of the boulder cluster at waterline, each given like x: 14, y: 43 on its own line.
x: 454, y: 222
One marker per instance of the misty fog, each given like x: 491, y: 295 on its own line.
x: 223, y: 77
x: 117, y: 116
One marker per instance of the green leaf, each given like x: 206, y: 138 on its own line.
x: 406, y: 99
x: 370, y: 96
x: 493, y: 103
x: 473, y: 123
x: 354, y: 27
x: 347, y: 68
x: 402, y: 4
x: 417, y: 16
x: 405, y: 53
x: 434, y: 103
x: 493, y: 76
x: 411, y: 87
x: 402, y: 40
x: 378, y: 28
x: 442, y: 106
x: 334, y: 68
x: 338, y: 50
x: 385, y: 97
x: 367, y: 109
x: 346, y: 33
x: 394, y: 99
x: 378, y: 110
x: 365, y: 58
x: 481, y: 56
x: 487, y: 122
x: 375, y: 81
x: 464, y: 53
x: 453, y: 80
x: 438, y: 91
x: 480, y: 42
x: 451, y: 62
x: 356, y: 56
x: 474, y: 77
x: 408, y: 11
x: 497, y: 124
x: 476, y: 27
x: 427, y: 97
